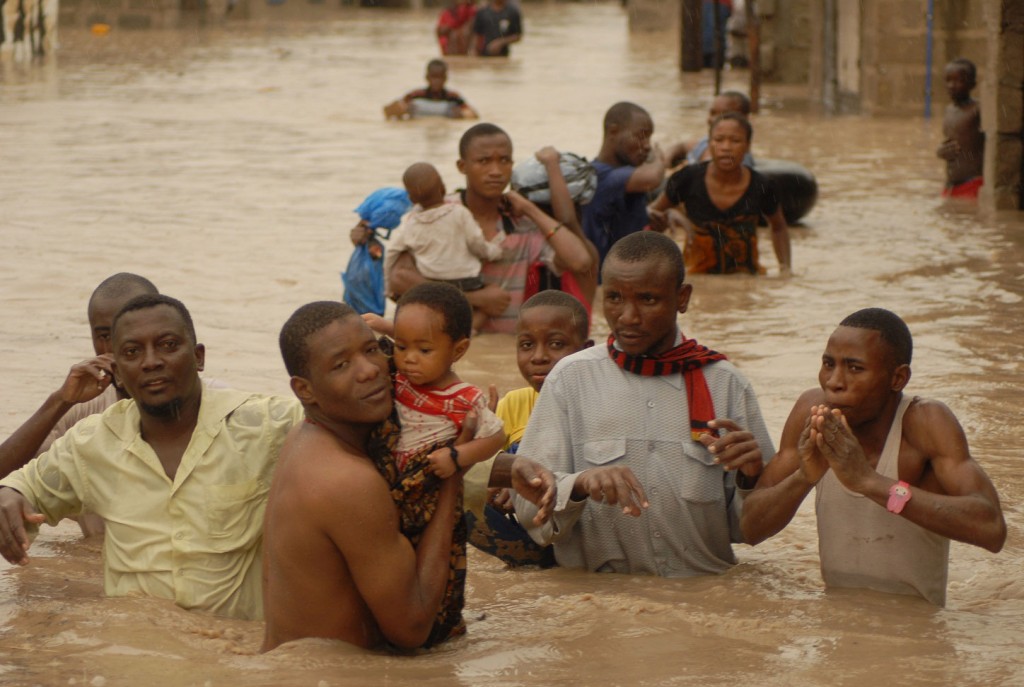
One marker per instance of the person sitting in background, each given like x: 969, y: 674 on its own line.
x: 434, y: 100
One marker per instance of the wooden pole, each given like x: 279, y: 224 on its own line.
x: 691, y: 49
x: 754, y: 47
x: 719, y: 46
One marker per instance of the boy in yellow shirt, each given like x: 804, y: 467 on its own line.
x: 551, y: 326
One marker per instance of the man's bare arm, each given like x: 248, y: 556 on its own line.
x: 967, y: 509
x: 783, y: 485
x: 403, y: 275
x: 86, y: 380
x: 570, y: 251
x: 780, y: 240
x: 649, y: 175
x: 402, y: 586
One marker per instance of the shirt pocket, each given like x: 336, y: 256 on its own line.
x: 604, y: 452
x: 234, y: 513
x: 698, y: 478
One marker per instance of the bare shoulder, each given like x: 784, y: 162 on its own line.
x: 932, y: 430
x: 807, y: 400
x: 329, y: 476
x: 928, y: 414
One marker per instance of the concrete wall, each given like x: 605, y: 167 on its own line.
x: 893, y: 50
x: 787, y: 32
x: 1002, y: 106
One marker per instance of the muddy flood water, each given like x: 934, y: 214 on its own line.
x: 225, y: 162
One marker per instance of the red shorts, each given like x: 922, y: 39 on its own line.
x: 968, y: 189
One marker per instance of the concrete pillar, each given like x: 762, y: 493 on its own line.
x: 652, y: 15
x: 1002, y: 107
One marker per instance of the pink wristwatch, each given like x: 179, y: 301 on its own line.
x: 899, y: 494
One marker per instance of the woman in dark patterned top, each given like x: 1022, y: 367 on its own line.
x: 723, y: 200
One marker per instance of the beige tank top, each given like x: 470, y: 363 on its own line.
x: 861, y: 544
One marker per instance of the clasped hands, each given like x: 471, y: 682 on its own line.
x: 827, y: 442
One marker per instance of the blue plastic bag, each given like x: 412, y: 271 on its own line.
x: 383, y: 209
x: 364, y: 279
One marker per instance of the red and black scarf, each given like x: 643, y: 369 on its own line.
x: 688, y: 358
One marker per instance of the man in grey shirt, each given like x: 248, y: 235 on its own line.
x: 636, y: 427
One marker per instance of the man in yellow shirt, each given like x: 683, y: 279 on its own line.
x: 180, y: 473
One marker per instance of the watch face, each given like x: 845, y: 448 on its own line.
x: 899, y: 494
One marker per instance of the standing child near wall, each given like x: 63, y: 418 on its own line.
x: 964, y: 145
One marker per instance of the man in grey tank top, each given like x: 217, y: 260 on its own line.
x: 894, y: 475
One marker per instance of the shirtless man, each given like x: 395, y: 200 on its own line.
x: 964, y: 145
x: 335, y: 564
x: 894, y: 475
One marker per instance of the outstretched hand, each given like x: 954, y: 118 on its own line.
x: 614, y: 485
x: 536, y: 484
x: 15, y: 511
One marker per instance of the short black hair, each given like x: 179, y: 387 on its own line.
x: 437, y: 63
x: 645, y: 245
x: 304, y: 322
x: 740, y: 97
x: 893, y: 330
x: 968, y: 67
x: 446, y: 300
x: 733, y: 117
x: 622, y: 113
x: 479, y: 131
x: 561, y: 299
x: 121, y: 284
x: 152, y: 300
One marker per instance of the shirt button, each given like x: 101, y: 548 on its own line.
x: 650, y: 404
x: 650, y: 446
x: 657, y: 534
x: 179, y: 535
